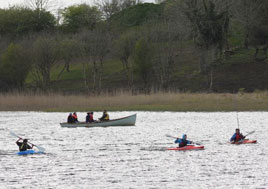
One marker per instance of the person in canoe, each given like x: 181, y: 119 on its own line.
x: 105, y: 116
x: 70, y: 118
x: 183, y: 141
x: 75, y: 117
x: 237, y: 136
x: 89, y: 118
x: 23, y: 146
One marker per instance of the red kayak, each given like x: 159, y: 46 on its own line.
x: 246, y: 141
x: 189, y: 147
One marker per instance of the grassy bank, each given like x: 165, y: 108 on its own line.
x: 126, y: 102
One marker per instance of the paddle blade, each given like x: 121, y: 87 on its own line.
x: 13, y: 134
x: 41, y: 149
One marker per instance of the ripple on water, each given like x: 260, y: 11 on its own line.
x: 135, y: 157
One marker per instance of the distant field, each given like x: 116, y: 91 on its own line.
x: 127, y: 102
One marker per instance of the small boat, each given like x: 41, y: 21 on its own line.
x: 245, y: 141
x: 29, y: 152
x: 188, y: 147
x: 125, y: 121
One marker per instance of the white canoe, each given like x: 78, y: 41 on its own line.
x: 125, y: 121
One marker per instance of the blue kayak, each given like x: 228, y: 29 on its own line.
x: 29, y: 152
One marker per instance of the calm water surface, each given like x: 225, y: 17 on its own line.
x: 133, y: 157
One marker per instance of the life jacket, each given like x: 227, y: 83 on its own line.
x: 23, y: 147
x: 238, y: 137
x: 90, y: 117
x: 75, y: 117
x: 183, y: 143
x: 106, y: 116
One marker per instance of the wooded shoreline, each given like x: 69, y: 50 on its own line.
x: 180, y: 102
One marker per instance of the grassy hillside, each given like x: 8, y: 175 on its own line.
x: 240, y: 71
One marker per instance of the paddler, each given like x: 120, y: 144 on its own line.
x: 183, y: 141
x: 23, y: 146
x: 105, y: 116
x: 237, y: 136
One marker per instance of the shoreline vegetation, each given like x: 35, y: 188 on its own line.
x: 179, y: 102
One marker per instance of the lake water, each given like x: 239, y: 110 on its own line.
x: 134, y: 157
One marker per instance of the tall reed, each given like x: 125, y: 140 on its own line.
x: 127, y: 102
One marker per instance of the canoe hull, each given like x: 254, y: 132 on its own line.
x: 246, y: 141
x: 125, y: 121
x: 29, y: 152
x: 185, y: 148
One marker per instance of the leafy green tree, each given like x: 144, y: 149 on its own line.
x: 142, y: 60
x: 136, y: 15
x: 14, y: 67
x: 258, y: 32
x: 210, y: 28
x: 17, y: 21
x: 78, y: 17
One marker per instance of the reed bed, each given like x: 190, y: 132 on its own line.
x: 125, y: 102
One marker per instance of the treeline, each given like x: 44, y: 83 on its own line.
x: 176, y: 45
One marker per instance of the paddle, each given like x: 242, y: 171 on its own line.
x: 249, y: 133
x: 179, y: 138
x: 39, y: 147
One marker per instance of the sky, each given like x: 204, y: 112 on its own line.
x: 56, y: 3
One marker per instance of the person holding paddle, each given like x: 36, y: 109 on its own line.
x: 183, y: 141
x: 237, y: 136
x: 23, y: 146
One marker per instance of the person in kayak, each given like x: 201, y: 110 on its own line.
x: 70, y: 118
x: 105, y: 116
x: 237, y: 136
x: 183, y: 141
x: 23, y: 146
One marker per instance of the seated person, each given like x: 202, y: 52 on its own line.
x: 70, y: 118
x: 23, y: 146
x: 183, y: 141
x: 105, y: 116
x: 237, y: 136
x: 91, y: 119
x: 75, y: 117
x: 88, y: 117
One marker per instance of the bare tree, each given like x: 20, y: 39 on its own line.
x: 37, y: 4
x: 45, y: 55
x: 167, y: 38
x: 68, y: 51
x: 111, y: 7
x: 95, y: 45
x: 124, y: 49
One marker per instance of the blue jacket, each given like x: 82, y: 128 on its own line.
x: 182, y: 141
x: 233, y: 138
